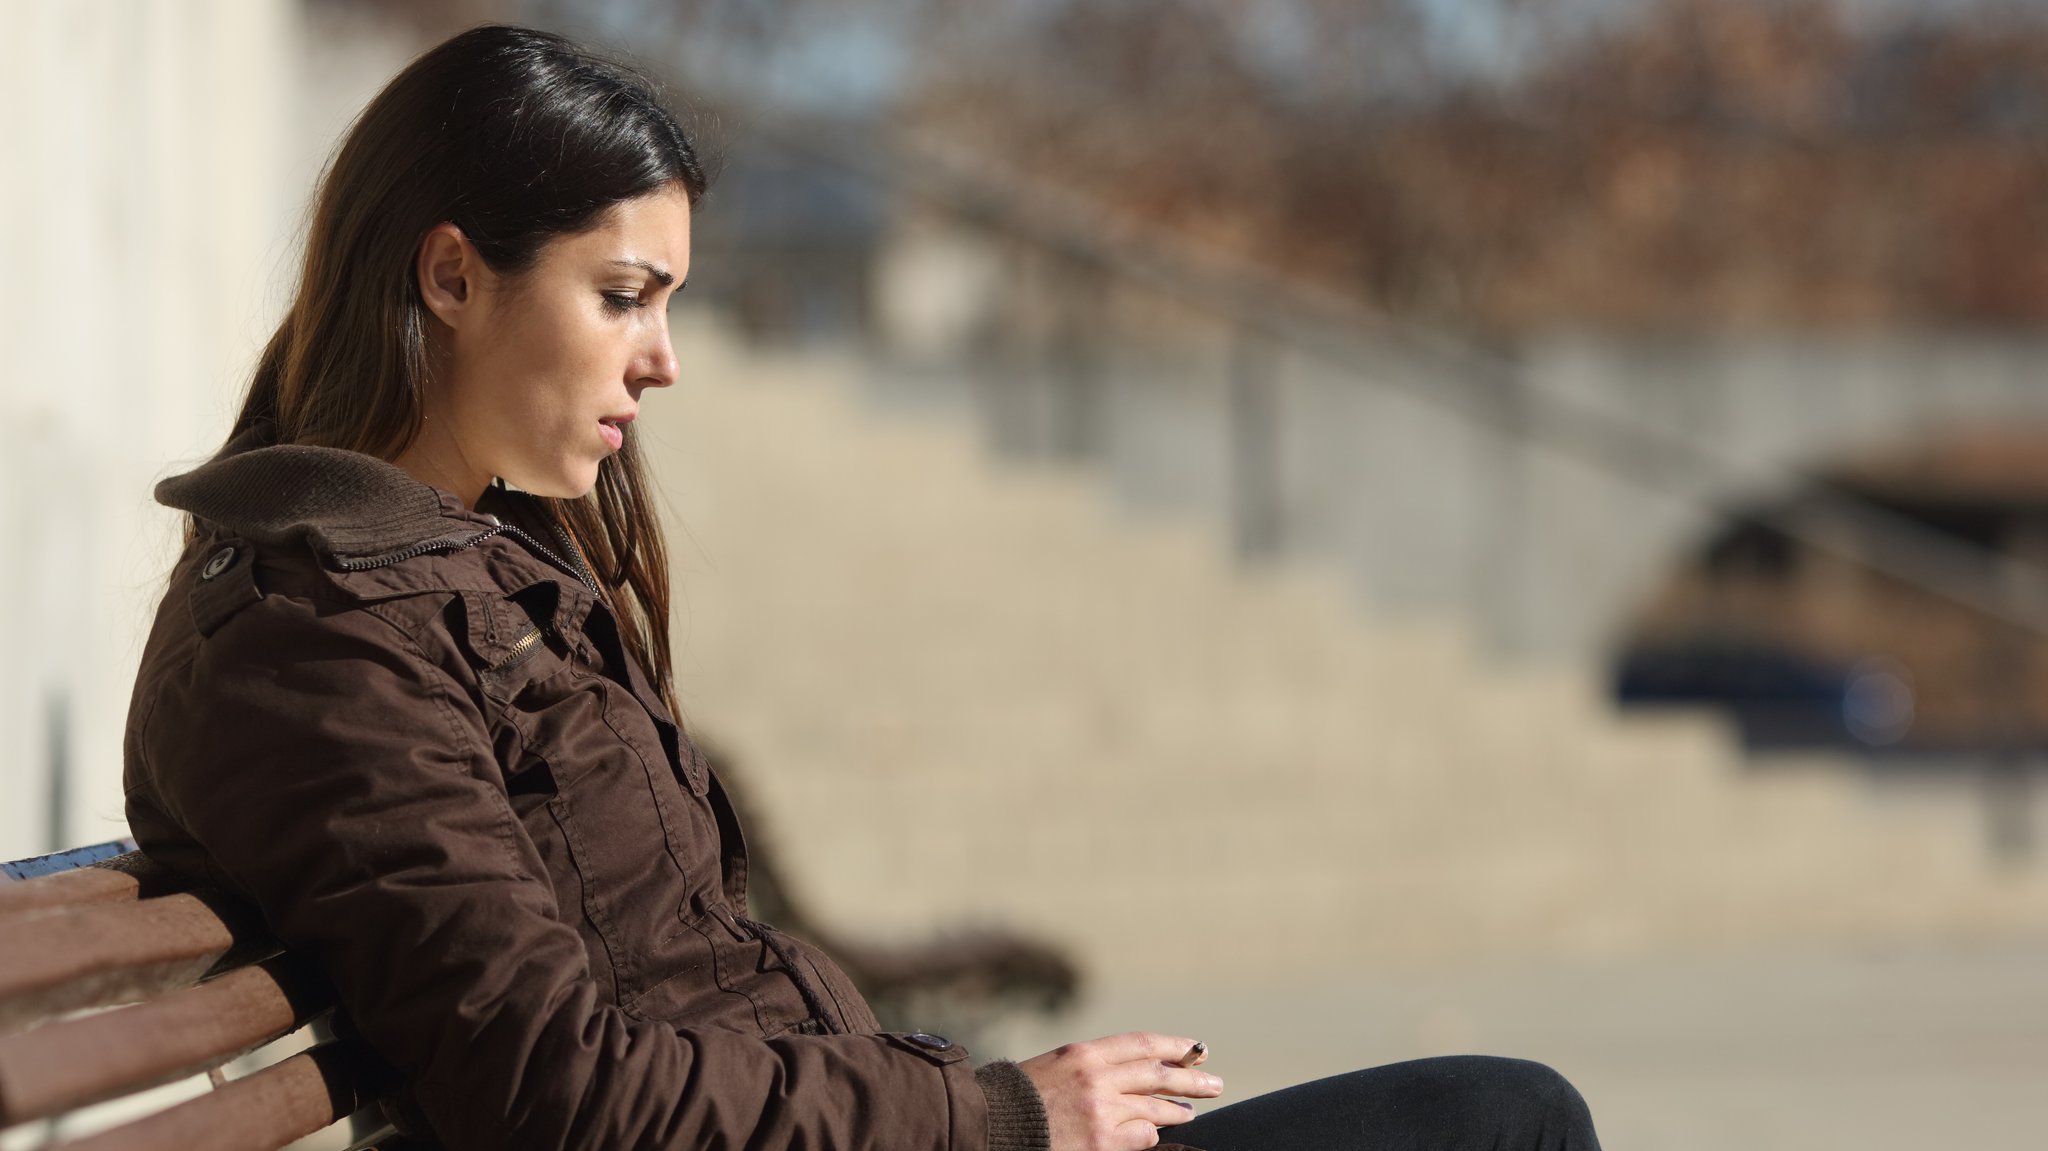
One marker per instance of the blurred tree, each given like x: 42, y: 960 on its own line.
x: 1706, y: 164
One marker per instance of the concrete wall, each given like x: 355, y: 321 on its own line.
x: 962, y: 690
x: 1549, y: 550
x: 149, y: 175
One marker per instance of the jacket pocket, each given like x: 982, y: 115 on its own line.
x: 502, y: 633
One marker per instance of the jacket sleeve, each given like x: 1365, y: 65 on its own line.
x: 342, y: 781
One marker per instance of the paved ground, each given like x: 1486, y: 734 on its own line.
x: 1903, y: 1049
x: 1906, y: 1048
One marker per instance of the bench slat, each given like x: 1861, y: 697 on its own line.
x: 30, y: 885
x: 66, y: 889
x: 102, y: 954
x: 261, y: 1112
x: 78, y: 1062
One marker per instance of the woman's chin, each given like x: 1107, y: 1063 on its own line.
x: 558, y: 485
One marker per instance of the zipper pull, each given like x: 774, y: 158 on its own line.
x: 523, y: 649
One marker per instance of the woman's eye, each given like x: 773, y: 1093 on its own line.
x: 619, y: 303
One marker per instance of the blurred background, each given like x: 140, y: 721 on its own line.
x: 1363, y: 528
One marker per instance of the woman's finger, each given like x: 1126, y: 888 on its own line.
x: 1156, y: 1078
x: 1134, y: 1045
x: 1166, y: 1112
x: 1137, y: 1134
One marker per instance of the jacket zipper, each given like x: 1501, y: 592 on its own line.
x: 464, y: 543
x: 522, y: 650
x: 569, y: 548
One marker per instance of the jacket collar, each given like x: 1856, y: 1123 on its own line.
x: 341, y: 503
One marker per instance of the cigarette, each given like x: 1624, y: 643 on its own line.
x: 1196, y: 1054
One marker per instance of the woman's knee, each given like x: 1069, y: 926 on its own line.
x: 1457, y: 1101
x: 1523, y: 1075
x: 1528, y: 1097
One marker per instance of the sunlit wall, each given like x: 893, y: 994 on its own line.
x: 148, y: 168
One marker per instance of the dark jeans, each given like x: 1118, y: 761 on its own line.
x: 1453, y: 1103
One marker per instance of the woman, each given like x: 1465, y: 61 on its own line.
x: 409, y: 692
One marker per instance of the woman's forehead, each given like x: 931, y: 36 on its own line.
x: 650, y: 231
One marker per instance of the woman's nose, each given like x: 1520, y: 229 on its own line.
x: 659, y: 368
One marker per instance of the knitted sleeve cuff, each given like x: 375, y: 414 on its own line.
x: 1016, y: 1115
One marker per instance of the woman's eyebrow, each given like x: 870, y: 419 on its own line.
x: 661, y: 277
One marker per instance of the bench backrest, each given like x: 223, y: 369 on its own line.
x: 115, y: 977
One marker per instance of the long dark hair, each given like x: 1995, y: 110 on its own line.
x: 516, y: 136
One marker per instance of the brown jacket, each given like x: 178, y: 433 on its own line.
x: 408, y: 733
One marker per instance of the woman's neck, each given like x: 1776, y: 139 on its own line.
x: 434, y: 458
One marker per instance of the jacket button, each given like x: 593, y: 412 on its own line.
x: 930, y: 1041
x: 218, y: 564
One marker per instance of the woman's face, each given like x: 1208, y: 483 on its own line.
x: 536, y: 376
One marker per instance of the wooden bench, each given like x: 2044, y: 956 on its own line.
x: 116, y: 978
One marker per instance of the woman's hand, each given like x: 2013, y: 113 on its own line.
x: 1102, y: 1095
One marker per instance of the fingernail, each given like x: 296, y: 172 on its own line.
x: 1215, y: 1084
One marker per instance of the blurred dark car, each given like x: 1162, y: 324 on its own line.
x: 1807, y: 647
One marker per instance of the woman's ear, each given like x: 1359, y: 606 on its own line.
x: 448, y: 267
